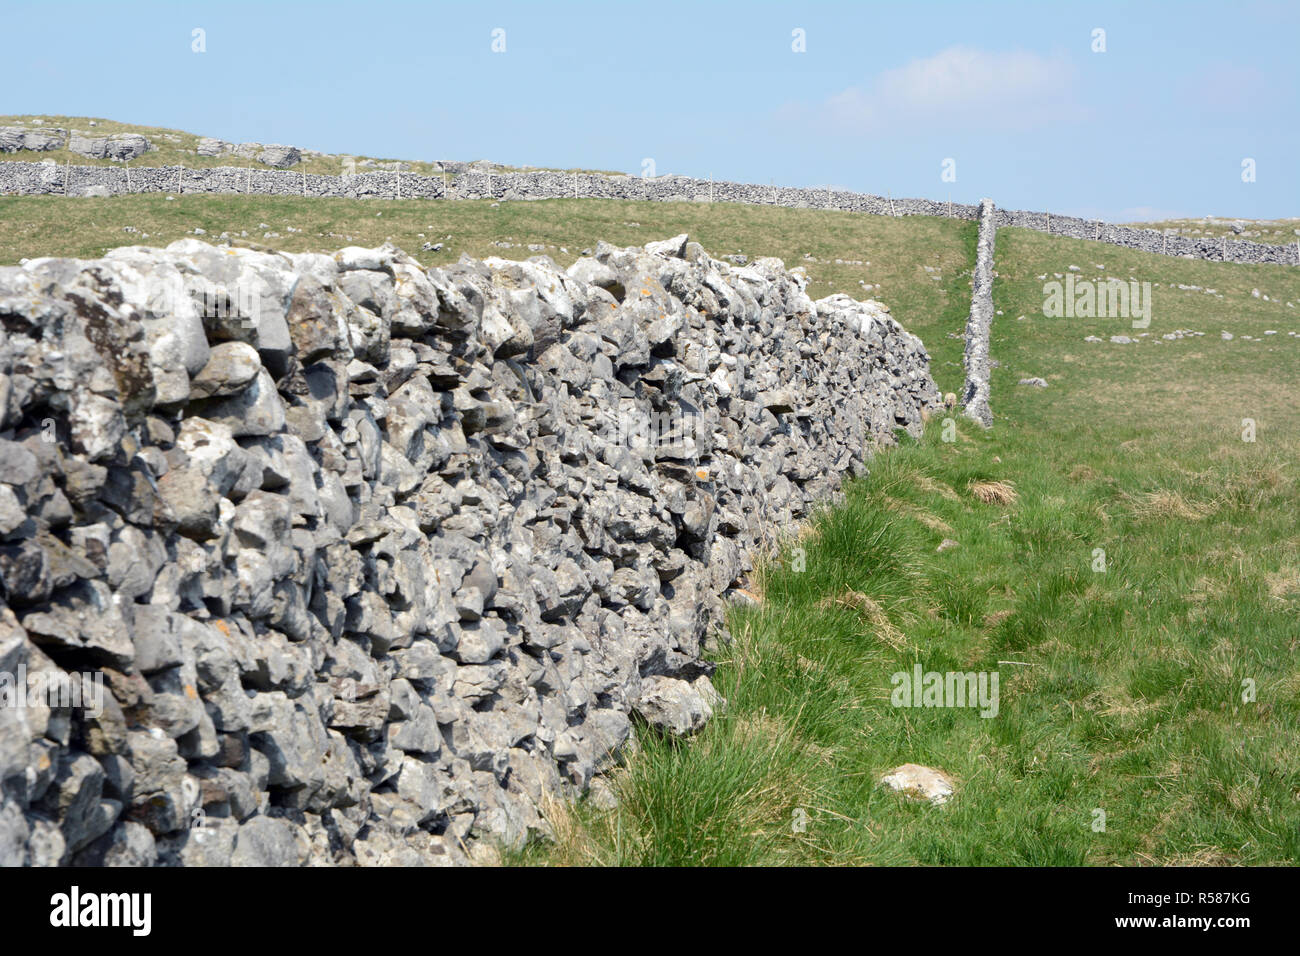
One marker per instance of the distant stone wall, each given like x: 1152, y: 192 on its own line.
x: 368, y: 561
x: 49, y: 178
x: 1153, y: 240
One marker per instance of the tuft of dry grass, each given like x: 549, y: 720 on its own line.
x: 1254, y: 486
x: 872, y: 613
x: 1203, y: 856
x: 1283, y: 584
x: 994, y: 492
x: 1164, y: 505
x: 1116, y: 702
x: 936, y: 487
x: 571, y: 841
x: 997, y: 617
x: 906, y: 508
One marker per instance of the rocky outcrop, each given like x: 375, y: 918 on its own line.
x: 120, y: 146
x: 273, y: 154
x: 369, y: 562
x: 207, y: 146
x: 279, y: 155
x: 40, y: 140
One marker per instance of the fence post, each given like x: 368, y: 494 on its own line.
x: 180, y: 185
x: 304, y: 184
x: 711, y: 199
x: 67, y: 171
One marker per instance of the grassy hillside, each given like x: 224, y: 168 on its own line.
x: 891, y: 253
x: 1121, y: 680
x: 1277, y: 232
x: 175, y: 147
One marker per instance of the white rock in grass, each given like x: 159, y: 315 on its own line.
x: 920, y: 783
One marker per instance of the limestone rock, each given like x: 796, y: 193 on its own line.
x: 15, y: 138
x: 121, y: 146
x: 677, y: 706
x: 920, y: 783
x: 280, y: 156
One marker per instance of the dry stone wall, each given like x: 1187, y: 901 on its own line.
x: 50, y: 178
x: 979, y: 321
x: 333, y: 559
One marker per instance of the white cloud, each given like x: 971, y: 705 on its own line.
x: 959, y: 86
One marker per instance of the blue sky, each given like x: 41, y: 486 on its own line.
x: 1158, y: 124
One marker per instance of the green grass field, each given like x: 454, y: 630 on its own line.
x: 890, y: 252
x: 1134, y: 579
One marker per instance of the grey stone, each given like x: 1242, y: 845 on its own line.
x: 676, y: 706
x: 230, y: 368
x: 257, y: 410
x: 266, y: 841
x: 127, y: 844
x: 83, y: 618
x: 74, y: 798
